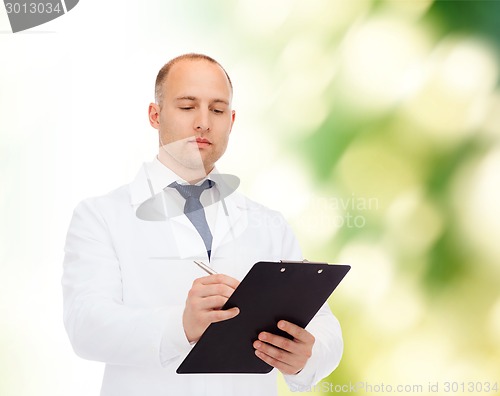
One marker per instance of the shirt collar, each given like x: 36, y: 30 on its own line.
x: 161, y: 176
x: 154, y: 177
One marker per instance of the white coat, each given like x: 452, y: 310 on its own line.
x: 126, y: 280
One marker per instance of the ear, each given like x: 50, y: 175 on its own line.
x: 233, y: 117
x: 154, y: 115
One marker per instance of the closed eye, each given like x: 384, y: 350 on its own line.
x: 186, y: 108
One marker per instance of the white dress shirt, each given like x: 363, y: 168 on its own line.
x: 161, y: 177
x: 126, y: 280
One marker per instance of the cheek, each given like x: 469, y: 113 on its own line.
x: 165, y: 136
x: 222, y: 144
x: 171, y: 130
x: 224, y: 125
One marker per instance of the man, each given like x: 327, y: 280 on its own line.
x: 133, y: 297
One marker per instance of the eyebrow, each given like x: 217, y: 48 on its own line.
x: 192, y: 98
x: 186, y: 98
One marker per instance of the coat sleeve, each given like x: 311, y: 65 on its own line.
x: 328, y: 345
x: 100, y: 327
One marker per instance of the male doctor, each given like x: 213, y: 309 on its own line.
x: 133, y: 297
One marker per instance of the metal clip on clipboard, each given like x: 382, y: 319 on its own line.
x: 302, y: 262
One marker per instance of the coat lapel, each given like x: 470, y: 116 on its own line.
x: 231, y: 220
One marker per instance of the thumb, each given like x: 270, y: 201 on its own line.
x: 234, y: 312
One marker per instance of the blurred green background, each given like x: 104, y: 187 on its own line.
x: 373, y: 125
x: 385, y: 116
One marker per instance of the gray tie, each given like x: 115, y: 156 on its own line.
x: 194, y: 209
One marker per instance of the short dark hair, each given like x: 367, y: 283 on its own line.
x: 162, y: 74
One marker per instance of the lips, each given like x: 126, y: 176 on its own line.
x: 202, y: 141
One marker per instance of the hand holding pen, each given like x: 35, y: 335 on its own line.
x: 204, y: 302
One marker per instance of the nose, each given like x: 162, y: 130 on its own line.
x: 202, y: 121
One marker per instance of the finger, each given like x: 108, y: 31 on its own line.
x: 208, y: 303
x: 215, y: 290
x: 298, y: 333
x: 219, y: 278
x: 274, y: 352
x: 282, y: 343
x: 220, y: 315
x: 218, y: 289
x: 281, y: 366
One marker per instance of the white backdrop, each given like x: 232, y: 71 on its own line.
x: 73, y: 123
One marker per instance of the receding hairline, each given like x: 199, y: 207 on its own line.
x: 165, y: 70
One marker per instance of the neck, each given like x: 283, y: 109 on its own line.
x: 191, y: 175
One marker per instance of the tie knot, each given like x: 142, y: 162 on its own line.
x: 191, y: 190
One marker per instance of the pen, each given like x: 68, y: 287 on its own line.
x: 205, y: 267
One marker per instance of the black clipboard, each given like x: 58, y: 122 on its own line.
x: 293, y: 291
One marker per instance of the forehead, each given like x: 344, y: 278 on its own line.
x: 197, y: 78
